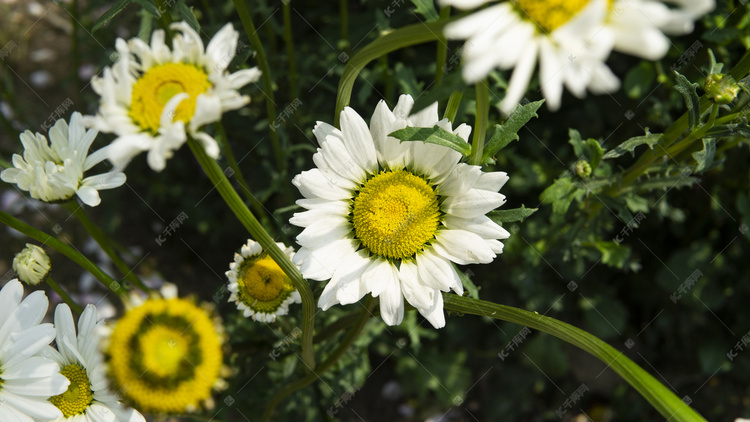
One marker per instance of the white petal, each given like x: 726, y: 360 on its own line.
x: 358, y: 140
x: 463, y: 247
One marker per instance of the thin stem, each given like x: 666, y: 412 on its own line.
x: 75, y: 50
x: 454, y: 102
x: 289, y: 41
x: 252, y: 36
x: 63, y: 295
x: 240, y: 210
x: 64, y: 249
x: 344, y: 22
x: 343, y: 346
x: 104, y: 243
x: 442, y: 48
x: 480, y: 122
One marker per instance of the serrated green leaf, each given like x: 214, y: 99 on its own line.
x: 508, y: 131
x: 560, y: 194
x: 186, y: 13
x: 631, y: 144
x: 109, y: 14
x: 638, y: 80
x: 705, y: 157
x: 512, y: 215
x: 613, y: 254
x: 665, y: 183
x: 150, y: 7
x: 687, y: 89
x: 426, y: 8
x: 433, y: 135
x: 451, y: 83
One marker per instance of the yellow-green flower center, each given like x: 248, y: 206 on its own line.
x: 164, y: 350
x: 79, y: 396
x: 550, y: 14
x: 395, y: 214
x: 158, y: 85
x: 263, y: 286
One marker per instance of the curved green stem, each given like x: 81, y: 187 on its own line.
x: 243, y: 214
x: 64, y: 295
x: 480, y: 123
x: 665, y: 401
x: 343, y: 346
x: 64, y: 249
x: 451, y: 109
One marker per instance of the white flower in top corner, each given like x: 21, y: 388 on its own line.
x: 389, y: 218
x: 27, y: 380
x: 53, y: 171
x: 32, y: 264
x: 565, y: 37
x: 153, y: 97
x: 258, y: 286
x: 88, y: 398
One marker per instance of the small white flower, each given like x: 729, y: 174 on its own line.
x: 53, y: 171
x: 154, y: 96
x: 389, y: 218
x: 26, y: 379
x: 32, y: 264
x: 88, y: 398
x: 258, y: 286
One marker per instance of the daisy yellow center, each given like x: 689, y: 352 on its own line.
x: 550, y: 14
x: 153, y: 90
x: 164, y: 350
x: 79, y: 396
x: 395, y: 214
x: 263, y: 286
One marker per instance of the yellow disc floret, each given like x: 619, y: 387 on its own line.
x: 395, y: 214
x: 262, y: 284
x: 165, y: 356
x: 550, y: 14
x: 79, y: 396
x: 158, y: 85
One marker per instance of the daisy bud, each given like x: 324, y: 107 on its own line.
x: 31, y: 264
x: 721, y: 88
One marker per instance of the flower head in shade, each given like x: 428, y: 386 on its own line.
x: 390, y: 218
x: 165, y: 354
x: 27, y: 379
x: 154, y: 96
x: 52, y: 171
x: 32, y: 264
x: 258, y: 285
x: 88, y: 398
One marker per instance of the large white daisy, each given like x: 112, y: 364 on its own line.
x: 154, y: 96
x: 564, y: 36
x: 26, y: 380
x: 388, y: 218
x: 88, y: 398
x: 53, y: 171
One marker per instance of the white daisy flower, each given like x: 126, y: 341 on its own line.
x: 258, y: 286
x: 154, y: 96
x: 88, y: 398
x: 53, y: 171
x: 564, y: 36
x: 26, y: 380
x: 389, y: 218
x: 32, y: 264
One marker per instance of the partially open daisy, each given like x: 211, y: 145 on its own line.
x: 564, y: 36
x: 165, y: 355
x: 258, y: 285
x: 388, y: 218
x: 27, y: 379
x: 52, y: 171
x: 154, y: 96
x: 87, y: 398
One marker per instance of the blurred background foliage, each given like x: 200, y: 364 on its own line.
x: 564, y: 261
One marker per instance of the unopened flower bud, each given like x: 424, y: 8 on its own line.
x: 721, y: 88
x: 583, y: 169
x: 32, y: 265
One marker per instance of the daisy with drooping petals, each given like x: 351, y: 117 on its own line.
x: 26, y: 379
x: 88, y: 398
x: 52, y: 171
x: 165, y: 354
x: 389, y: 218
x: 258, y: 285
x: 154, y: 96
x: 564, y: 36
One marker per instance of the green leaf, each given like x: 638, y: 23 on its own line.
x: 433, y: 135
x: 150, y: 7
x: 613, y: 254
x: 560, y: 194
x: 705, y: 156
x: 665, y: 183
x: 638, y: 81
x: 407, y: 80
x: 109, y: 14
x: 736, y: 129
x: 631, y: 144
x: 451, y: 83
x: 687, y: 89
x: 662, y: 398
x: 590, y: 149
x: 186, y: 13
x: 426, y: 8
x: 468, y: 283
x: 596, y: 152
x: 508, y: 131
x: 512, y: 215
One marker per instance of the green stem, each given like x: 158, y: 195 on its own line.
x: 480, y: 122
x: 344, y: 22
x: 289, y: 41
x: 240, y: 210
x: 63, y: 295
x: 454, y: 102
x: 104, y: 243
x: 343, y: 346
x: 64, y: 249
x: 252, y: 36
x: 403, y: 37
x: 75, y: 48
x: 442, y: 48
x: 665, y: 401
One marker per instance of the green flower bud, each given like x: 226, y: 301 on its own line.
x: 32, y: 265
x: 583, y: 169
x: 721, y: 88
